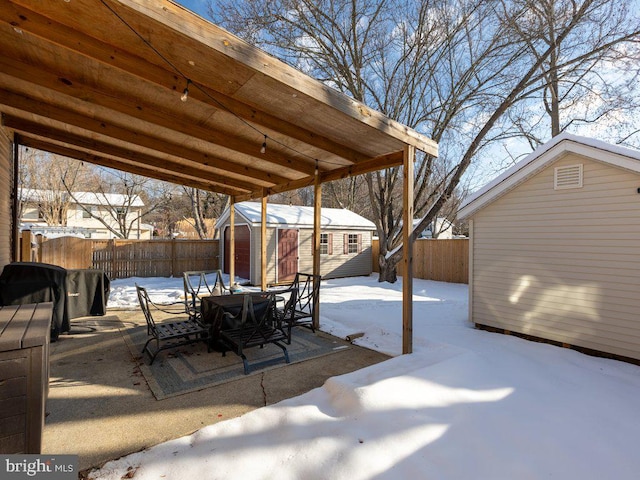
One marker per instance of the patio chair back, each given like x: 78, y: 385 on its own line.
x: 256, y: 325
x: 167, y: 334
x: 299, y: 310
x: 196, y: 285
x: 308, y: 287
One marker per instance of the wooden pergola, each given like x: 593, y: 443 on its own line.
x: 104, y: 81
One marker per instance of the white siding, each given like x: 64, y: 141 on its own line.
x: 336, y: 265
x: 6, y: 174
x: 256, y: 261
x: 563, y: 264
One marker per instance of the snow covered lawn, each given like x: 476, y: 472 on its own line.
x: 466, y: 404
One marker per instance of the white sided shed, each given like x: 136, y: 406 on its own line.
x: 554, y: 248
x: 345, y: 242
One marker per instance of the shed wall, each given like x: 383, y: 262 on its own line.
x: 256, y: 261
x: 6, y: 175
x: 562, y: 264
x: 336, y: 265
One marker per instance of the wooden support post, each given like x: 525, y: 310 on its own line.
x: 263, y: 244
x: 407, y: 258
x: 232, y: 241
x: 15, y: 199
x: 317, y: 211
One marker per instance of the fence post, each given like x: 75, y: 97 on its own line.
x: 113, y: 257
x: 173, y: 257
x: 25, y: 246
x: 38, y: 249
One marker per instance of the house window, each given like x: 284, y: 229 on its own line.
x: 352, y: 243
x: 121, y: 212
x: 324, y: 244
x: 86, y: 212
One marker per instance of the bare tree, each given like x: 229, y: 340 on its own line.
x: 587, y: 76
x: 460, y: 71
x: 350, y: 193
x: 42, y: 177
x: 203, y: 205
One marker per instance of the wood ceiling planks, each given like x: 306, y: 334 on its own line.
x: 80, y: 65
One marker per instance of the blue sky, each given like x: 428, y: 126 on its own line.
x: 197, y: 6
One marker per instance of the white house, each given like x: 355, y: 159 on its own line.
x: 81, y: 214
x: 440, y: 227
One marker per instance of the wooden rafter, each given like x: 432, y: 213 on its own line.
x: 81, y: 72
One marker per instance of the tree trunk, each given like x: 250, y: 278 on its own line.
x: 388, y: 269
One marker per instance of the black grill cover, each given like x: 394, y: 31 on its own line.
x: 74, y: 293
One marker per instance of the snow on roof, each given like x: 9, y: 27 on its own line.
x: 544, y: 155
x: 85, y: 198
x: 114, y: 199
x: 295, y: 215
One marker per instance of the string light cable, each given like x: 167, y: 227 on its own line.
x: 185, y: 94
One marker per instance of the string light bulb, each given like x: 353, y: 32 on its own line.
x: 316, y: 171
x: 185, y: 93
x: 263, y: 149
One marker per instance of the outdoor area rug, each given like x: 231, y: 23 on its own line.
x: 190, y: 368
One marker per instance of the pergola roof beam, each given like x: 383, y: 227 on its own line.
x: 142, y: 170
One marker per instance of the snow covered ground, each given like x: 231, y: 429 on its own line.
x: 466, y: 404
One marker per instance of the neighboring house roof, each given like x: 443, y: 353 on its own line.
x: 542, y: 157
x: 84, y: 198
x: 440, y: 224
x: 297, y: 216
x: 113, y: 199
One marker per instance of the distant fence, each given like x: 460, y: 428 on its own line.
x: 154, y: 258
x: 124, y: 258
x: 440, y: 260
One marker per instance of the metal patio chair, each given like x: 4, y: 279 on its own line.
x: 196, y: 286
x: 299, y: 309
x: 167, y: 335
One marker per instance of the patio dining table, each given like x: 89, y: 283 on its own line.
x: 214, y: 307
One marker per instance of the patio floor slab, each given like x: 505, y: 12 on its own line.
x: 100, y: 407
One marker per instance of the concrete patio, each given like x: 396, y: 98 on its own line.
x: 100, y: 406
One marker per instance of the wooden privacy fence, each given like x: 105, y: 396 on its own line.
x: 124, y: 258
x: 440, y: 260
x: 154, y: 258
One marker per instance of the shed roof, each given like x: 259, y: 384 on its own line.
x: 542, y: 157
x: 101, y: 81
x: 297, y: 216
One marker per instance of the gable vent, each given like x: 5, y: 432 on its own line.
x: 568, y: 177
